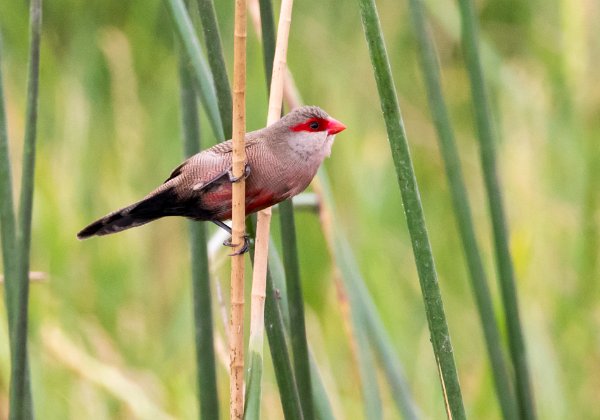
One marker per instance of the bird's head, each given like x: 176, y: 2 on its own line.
x: 312, y: 119
x: 309, y: 130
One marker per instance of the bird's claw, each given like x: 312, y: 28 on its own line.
x: 242, y: 250
x: 245, y: 175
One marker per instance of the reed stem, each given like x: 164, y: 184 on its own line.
x: 200, y: 72
x: 208, y: 397
x: 275, y: 328
x: 432, y: 298
x: 236, y: 336
x: 216, y: 61
x: 20, y: 395
x: 462, y: 211
x: 504, y: 264
x: 261, y: 253
x: 355, y: 285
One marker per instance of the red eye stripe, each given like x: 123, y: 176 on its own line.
x: 306, y: 125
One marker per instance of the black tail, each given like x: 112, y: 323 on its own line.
x: 140, y: 213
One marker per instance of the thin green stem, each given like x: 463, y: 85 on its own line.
x: 366, y: 366
x: 202, y: 78
x: 492, y: 185
x: 296, y: 307
x: 216, y: 61
x: 434, y: 308
x: 208, y: 397
x: 7, y: 217
x: 20, y: 392
x: 275, y: 328
x: 253, y: 382
x: 267, y: 24
x: 323, y: 410
x: 361, y: 300
x: 295, y: 297
x: 462, y: 212
x: 378, y: 337
x: 288, y: 388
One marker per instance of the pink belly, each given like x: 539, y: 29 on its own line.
x: 220, y: 201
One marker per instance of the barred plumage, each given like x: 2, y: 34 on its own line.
x: 282, y: 159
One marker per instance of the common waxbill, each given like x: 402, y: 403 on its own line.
x: 282, y: 159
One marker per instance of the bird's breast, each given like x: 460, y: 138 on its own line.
x: 258, y: 197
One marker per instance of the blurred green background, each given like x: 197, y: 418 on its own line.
x: 111, y: 327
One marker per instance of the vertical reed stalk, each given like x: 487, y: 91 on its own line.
x: 274, y: 321
x: 365, y: 313
x: 259, y: 277
x: 236, y: 336
x: 462, y: 212
x: 355, y: 285
x: 496, y: 208
x: 432, y: 298
x: 7, y: 216
x: 16, y: 238
x: 299, y: 342
x: 267, y: 33
x: 8, y: 225
x: 257, y: 329
x: 263, y: 20
x: 201, y: 75
x: 21, y: 400
x: 283, y: 368
x: 216, y: 61
x: 298, y: 338
x: 205, y: 353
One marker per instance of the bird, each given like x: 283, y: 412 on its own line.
x: 281, y: 161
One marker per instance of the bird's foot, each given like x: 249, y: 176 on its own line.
x: 245, y: 175
x: 242, y: 250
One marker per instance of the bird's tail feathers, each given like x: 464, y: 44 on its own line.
x: 137, y: 214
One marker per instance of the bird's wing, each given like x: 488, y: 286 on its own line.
x: 207, y: 167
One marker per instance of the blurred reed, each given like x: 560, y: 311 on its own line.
x: 440, y: 336
x: 462, y: 210
x: 295, y: 300
x: 276, y: 334
x: 504, y: 263
x: 273, y: 316
x: 261, y: 248
x: 289, y: 246
x: 16, y: 233
x: 205, y: 352
x: 276, y: 272
x: 216, y: 61
x: 201, y: 74
x: 364, y: 317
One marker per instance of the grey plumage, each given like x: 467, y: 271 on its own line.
x: 283, y: 159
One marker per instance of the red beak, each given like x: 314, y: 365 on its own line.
x: 334, y: 126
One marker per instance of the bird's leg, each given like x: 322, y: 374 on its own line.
x: 245, y: 175
x: 228, y: 241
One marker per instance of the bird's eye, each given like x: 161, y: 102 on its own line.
x: 314, y: 125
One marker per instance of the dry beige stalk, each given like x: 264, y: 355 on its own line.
x: 112, y: 378
x: 293, y: 100
x: 264, y: 216
x: 236, y: 335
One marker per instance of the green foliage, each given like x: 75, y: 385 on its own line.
x: 16, y: 247
x: 462, y: 211
x: 202, y: 301
x: 413, y: 210
x: 506, y: 276
x: 109, y: 131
